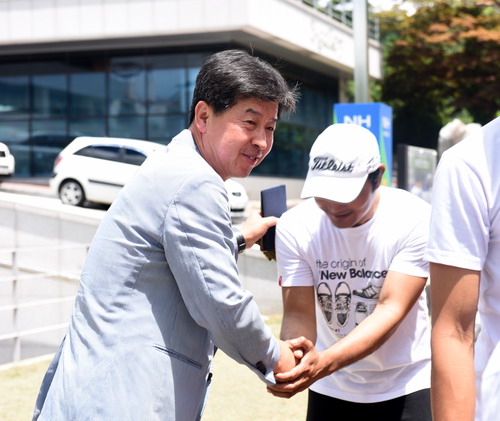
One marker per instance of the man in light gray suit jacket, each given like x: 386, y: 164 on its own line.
x: 160, y: 285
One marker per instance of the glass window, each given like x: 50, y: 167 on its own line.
x: 87, y: 94
x: 166, y: 91
x: 87, y: 127
x: 49, y: 95
x: 315, y: 109
x: 290, y: 153
x: 166, y: 84
x: 131, y: 156
x: 193, y: 63
x: 46, y: 140
x: 129, y: 127
x: 192, y: 74
x: 49, y: 132
x: 87, y: 151
x: 165, y: 127
x: 127, y: 86
x: 108, y: 153
x: 14, y: 132
x: 14, y: 97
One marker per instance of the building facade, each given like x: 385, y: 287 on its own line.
x: 126, y: 68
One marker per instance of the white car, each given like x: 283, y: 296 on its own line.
x: 238, y: 197
x: 7, y: 161
x: 94, y: 169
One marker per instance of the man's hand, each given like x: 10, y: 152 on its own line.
x: 289, y: 357
x: 256, y: 226
x: 310, y: 368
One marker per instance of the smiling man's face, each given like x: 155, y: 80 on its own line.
x: 237, y: 140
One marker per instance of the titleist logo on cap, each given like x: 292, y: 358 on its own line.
x: 331, y: 164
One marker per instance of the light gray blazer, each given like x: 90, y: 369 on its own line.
x: 159, y: 288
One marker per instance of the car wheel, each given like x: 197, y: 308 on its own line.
x: 71, y: 193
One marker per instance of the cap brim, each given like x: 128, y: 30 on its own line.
x: 341, y: 190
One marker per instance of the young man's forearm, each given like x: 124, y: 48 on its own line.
x: 453, y: 385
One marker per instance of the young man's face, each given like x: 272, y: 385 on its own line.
x: 355, y: 213
x: 237, y: 140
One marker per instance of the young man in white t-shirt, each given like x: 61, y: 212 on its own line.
x: 464, y: 251
x: 350, y: 261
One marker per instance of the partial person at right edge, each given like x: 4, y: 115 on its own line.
x: 464, y: 251
x: 350, y: 261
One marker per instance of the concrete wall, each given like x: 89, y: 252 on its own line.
x: 52, y: 237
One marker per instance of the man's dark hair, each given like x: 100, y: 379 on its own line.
x: 373, y: 177
x: 230, y: 75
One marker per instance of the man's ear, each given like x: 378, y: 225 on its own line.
x: 201, y: 113
x: 381, y: 173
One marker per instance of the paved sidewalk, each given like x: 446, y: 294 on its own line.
x: 36, y: 186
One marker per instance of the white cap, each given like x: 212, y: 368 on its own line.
x: 339, y: 163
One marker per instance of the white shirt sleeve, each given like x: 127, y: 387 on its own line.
x: 459, y: 229
x: 293, y: 269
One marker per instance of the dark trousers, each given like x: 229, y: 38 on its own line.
x: 413, y: 407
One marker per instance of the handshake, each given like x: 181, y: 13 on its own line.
x: 300, y: 365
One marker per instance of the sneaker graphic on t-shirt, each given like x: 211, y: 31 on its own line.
x: 325, y: 300
x: 360, y: 313
x: 342, y: 303
x: 370, y: 292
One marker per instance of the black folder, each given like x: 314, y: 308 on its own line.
x: 273, y: 203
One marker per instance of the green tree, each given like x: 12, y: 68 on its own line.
x: 441, y: 62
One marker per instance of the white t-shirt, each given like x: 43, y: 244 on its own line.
x: 465, y: 226
x: 340, y: 263
x: 490, y: 388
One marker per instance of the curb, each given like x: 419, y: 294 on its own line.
x: 21, y: 188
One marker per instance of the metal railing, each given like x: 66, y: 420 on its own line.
x: 15, y: 278
x: 341, y: 11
